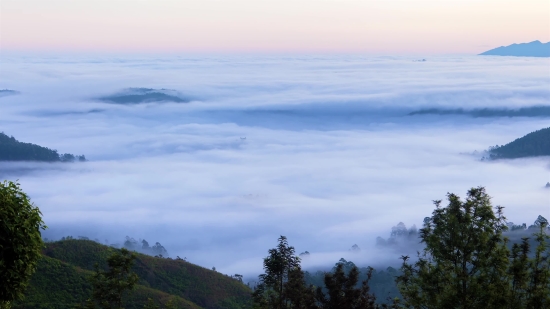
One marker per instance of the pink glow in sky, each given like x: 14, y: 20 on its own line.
x: 341, y: 26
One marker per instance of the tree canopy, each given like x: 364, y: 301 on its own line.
x: 466, y: 262
x: 534, y: 144
x: 109, y: 286
x: 20, y: 241
x: 14, y: 150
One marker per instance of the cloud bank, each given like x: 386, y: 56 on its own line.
x: 319, y: 149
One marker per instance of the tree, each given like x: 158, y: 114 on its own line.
x: 342, y: 291
x: 283, y: 285
x: 538, y: 288
x: 159, y: 250
x: 20, y: 241
x: 109, y: 286
x: 466, y: 262
x: 145, y: 245
x: 298, y: 293
x: 282, y: 271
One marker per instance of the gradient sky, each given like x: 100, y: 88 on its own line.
x: 342, y: 26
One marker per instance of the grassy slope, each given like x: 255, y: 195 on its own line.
x: 203, y: 287
x: 60, y: 285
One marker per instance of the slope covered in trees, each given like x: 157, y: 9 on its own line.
x: 533, y: 144
x: 61, y: 280
x: 466, y: 263
x: 60, y: 285
x: 14, y: 150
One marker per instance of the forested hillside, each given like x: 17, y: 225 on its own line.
x: 382, y: 283
x: 61, y: 280
x: 533, y: 144
x: 14, y: 150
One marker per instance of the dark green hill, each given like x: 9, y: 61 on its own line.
x: 160, y: 278
x: 60, y: 285
x: 14, y: 150
x: 534, y: 144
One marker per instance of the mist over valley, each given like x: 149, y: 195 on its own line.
x: 216, y: 157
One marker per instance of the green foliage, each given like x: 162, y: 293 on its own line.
x: 531, y: 145
x: 109, y: 286
x: 284, y: 285
x: 20, y: 241
x: 272, y: 292
x: 381, y: 282
x: 56, y: 285
x: 465, y: 259
x: 528, y: 271
x: 160, y: 279
x: 59, y: 285
x: 13, y: 150
x: 343, y: 293
x: 466, y: 262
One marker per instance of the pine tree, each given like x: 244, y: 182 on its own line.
x: 342, y: 291
x: 465, y: 262
x: 270, y: 293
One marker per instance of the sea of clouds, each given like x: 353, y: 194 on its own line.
x: 319, y: 149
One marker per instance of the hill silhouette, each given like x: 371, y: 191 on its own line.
x: 7, y: 92
x: 14, y: 150
x: 534, y: 144
x: 132, y: 96
x: 61, y: 280
x: 537, y: 111
x: 532, y: 49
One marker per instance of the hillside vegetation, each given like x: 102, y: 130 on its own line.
x: 61, y: 280
x: 14, y: 150
x: 533, y: 144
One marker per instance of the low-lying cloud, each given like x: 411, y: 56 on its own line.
x: 320, y: 150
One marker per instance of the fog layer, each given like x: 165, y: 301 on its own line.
x: 319, y: 149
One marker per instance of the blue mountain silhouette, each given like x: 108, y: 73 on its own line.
x: 532, y: 49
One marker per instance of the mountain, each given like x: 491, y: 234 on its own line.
x: 7, y: 92
x: 533, y: 144
x: 14, y: 150
x: 61, y: 280
x: 533, y: 49
x: 132, y: 96
x: 529, y: 111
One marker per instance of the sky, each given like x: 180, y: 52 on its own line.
x: 319, y: 149
x: 271, y: 26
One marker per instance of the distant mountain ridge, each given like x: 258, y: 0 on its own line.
x: 528, y: 111
x: 532, y: 49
